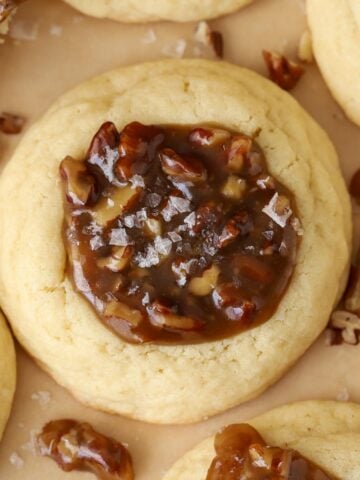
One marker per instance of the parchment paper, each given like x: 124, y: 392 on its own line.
x: 54, y: 48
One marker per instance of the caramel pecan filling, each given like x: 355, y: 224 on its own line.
x: 242, y: 454
x: 77, y: 446
x: 177, y: 234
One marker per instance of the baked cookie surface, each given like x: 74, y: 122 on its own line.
x: 335, y: 29
x: 326, y: 433
x: 168, y: 384
x: 7, y: 373
x: 155, y: 10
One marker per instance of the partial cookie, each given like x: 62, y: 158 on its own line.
x: 326, y: 433
x: 335, y: 29
x: 155, y: 10
x: 168, y: 383
x: 7, y: 373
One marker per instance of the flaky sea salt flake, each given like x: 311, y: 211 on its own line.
x: 119, y: 237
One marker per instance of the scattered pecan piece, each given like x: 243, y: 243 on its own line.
x: 77, y: 446
x: 11, y: 124
x: 210, y: 38
x: 282, y: 71
x: 7, y: 7
x: 348, y: 324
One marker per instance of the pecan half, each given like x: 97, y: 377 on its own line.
x: 77, y: 446
x: 11, y: 124
x: 134, y: 143
x: 282, y: 71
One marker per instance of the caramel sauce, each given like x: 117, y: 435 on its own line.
x: 242, y: 454
x: 77, y: 446
x: 177, y: 234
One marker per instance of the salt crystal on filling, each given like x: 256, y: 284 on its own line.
x: 119, y: 237
x: 175, y: 205
x: 190, y: 220
x: 96, y: 242
x: 147, y: 259
x: 270, y: 210
x: 137, y: 181
x: 106, y: 163
x: 153, y: 200
x: 141, y: 217
x: 129, y: 221
x: 174, y: 237
x: 163, y: 245
x: 146, y: 299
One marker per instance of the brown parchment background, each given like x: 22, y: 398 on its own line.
x: 68, y: 48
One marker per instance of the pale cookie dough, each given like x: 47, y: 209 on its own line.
x: 7, y: 373
x: 327, y: 433
x: 168, y: 384
x: 154, y: 10
x: 335, y: 28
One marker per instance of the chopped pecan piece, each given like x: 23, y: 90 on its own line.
x: 282, y: 71
x: 7, y: 7
x: 207, y: 216
x: 240, y: 224
x: 240, y: 147
x: 349, y: 325
x: 230, y: 299
x: 77, y: 446
x: 234, y: 187
x: 202, y: 286
x: 163, y: 316
x: 208, y: 137
x: 186, y: 169
x: 115, y: 311
x: 79, y: 184
x: 11, y: 124
x: 210, y: 38
x: 118, y: 260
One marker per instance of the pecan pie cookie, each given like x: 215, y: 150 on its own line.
x: 171, y: 237
x: 155, y: 10
x: 313, y: 440
x: 7, y: 373
x: 335, y: 28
